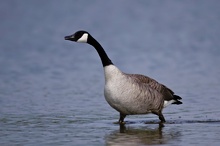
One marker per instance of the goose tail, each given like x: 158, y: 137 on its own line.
x: 176, y: 99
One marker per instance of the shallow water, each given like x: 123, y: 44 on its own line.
x: 51, y: 90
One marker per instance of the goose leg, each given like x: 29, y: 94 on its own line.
x: 121, y: 119
x: 161, y: 117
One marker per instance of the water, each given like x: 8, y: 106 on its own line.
x: 51, y: 90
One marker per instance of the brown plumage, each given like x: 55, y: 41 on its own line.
x: 167, y: 93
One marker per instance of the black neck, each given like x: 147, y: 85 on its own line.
x: 104, y: 57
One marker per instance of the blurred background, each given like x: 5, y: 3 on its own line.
x: 51, y: 90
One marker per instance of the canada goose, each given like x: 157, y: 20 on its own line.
x: 129, y: 94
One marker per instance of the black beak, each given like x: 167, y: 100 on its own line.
x: 70, y: 37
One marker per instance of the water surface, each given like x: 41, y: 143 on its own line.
x: 51, y: 90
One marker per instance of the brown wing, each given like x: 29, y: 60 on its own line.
x: 166, y: 92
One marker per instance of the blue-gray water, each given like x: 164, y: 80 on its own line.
x: 51, y: 90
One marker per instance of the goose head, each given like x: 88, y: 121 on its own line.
x: 79, y: 36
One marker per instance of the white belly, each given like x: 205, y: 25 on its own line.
x: 122, y: 95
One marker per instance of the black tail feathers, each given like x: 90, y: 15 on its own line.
x: 177, y: 102
x: 177, y: 98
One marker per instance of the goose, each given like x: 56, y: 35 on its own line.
x: 129, y: 94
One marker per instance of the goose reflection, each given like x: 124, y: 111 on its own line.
x: 142, y: 136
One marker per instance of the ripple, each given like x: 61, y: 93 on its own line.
x: 208, y: 121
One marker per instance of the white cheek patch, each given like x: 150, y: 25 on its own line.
x: 83, y: 39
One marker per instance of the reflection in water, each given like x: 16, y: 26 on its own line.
x: 141, y: 136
